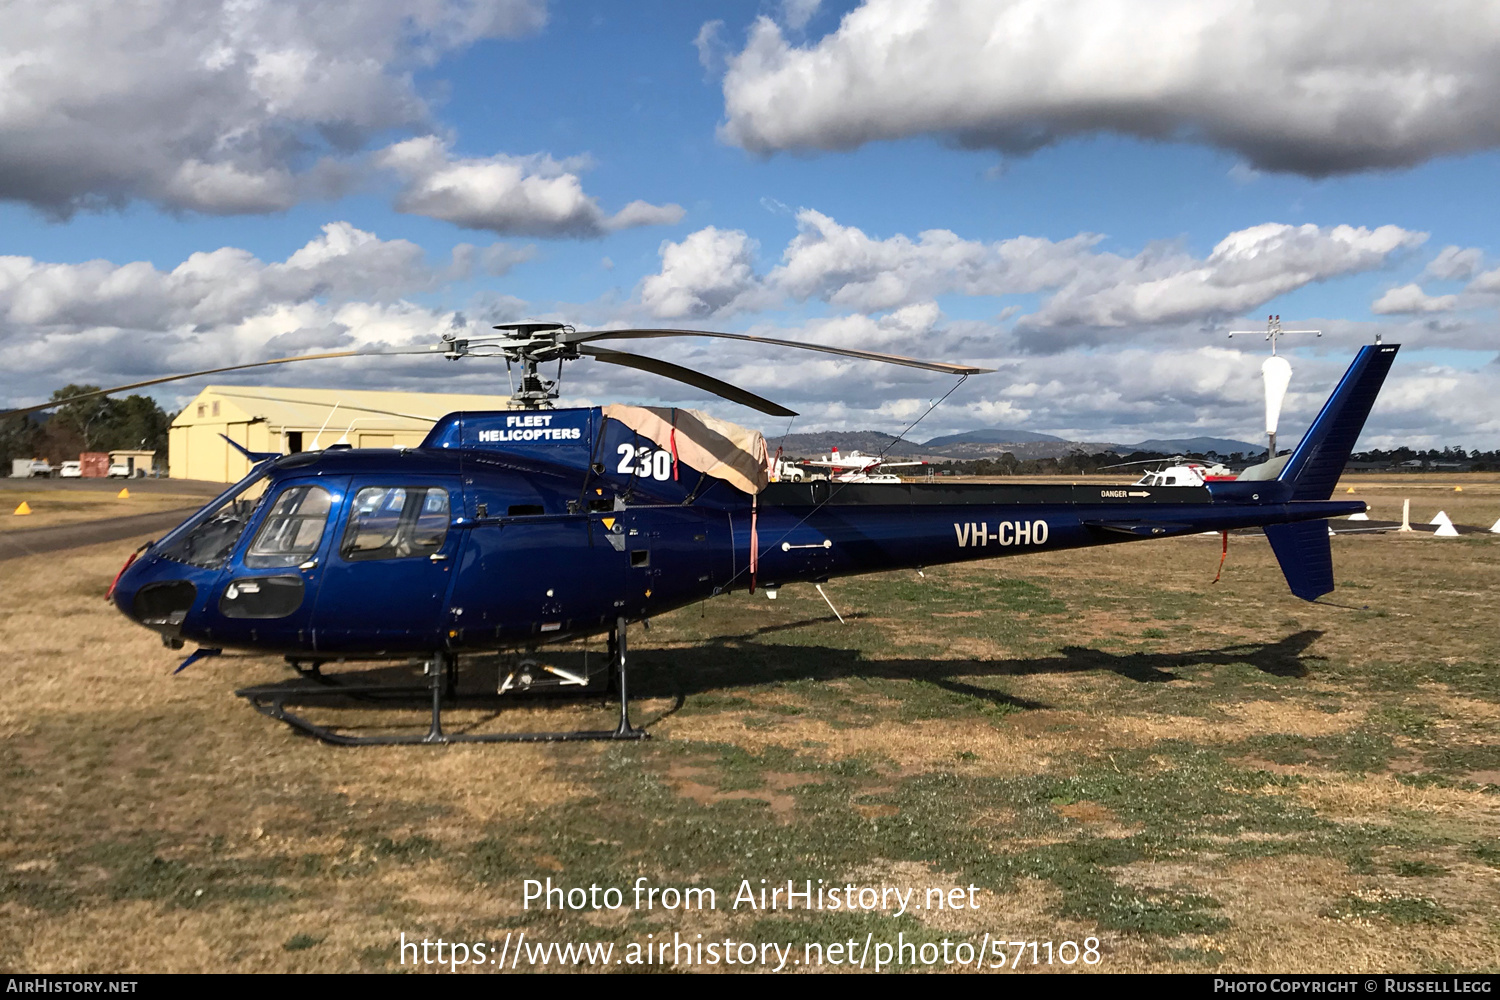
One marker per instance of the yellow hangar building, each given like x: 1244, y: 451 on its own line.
x: 272, y: 418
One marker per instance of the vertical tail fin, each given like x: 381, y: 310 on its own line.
x: 1305, y: 556
x: 1313, y: 470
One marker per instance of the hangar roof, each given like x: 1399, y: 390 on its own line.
x: 311, y: 409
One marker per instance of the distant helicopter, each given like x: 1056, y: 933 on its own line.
x: 512, y: 529
x: 1178, y: 471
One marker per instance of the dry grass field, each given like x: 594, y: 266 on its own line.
x: 73, y: 501
x: 1205, y: 777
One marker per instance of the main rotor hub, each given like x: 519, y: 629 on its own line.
x: 526, y: 344
x: 529, y: 330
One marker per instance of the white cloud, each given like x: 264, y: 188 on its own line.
x: 1290, y: 86
x: 1411, y: 299
x: 843, y: 265
x: 526, y: 195
x: 1454, y: 263
x: 1246, y: 269
x: 1489, y: 281
x: 1122, y: 395
x: 109, y: 323
x: 219, y: 106
x: 1124, y: 391
x: 222, y: 287
x: 796, y: 13
x: 711, y: 271
x: 1242, y: 174
x: 710, y: 46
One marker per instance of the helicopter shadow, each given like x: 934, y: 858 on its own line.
x: 740, y: 663
x: 748, y: 660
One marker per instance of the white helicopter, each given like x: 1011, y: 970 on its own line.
x: 1184, y: 474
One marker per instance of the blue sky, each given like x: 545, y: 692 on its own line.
x: 772, y: 168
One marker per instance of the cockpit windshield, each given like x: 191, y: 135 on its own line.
x: 211, y: 540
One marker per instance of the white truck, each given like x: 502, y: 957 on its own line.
x: 789, y: 472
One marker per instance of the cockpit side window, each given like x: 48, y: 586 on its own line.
x: 210, y: 542
x: 395, y: 522
x: 293, y: 528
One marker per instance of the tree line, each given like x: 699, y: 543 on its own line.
x: 96, y: 424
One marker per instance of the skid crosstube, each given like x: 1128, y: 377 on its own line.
x: 442, y: 669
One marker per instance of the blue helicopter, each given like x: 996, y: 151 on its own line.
x: 512, y: 529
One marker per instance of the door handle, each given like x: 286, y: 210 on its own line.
x: 437, y: 557
x: 310, y: 564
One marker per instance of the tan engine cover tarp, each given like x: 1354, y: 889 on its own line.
x: 716, y: 447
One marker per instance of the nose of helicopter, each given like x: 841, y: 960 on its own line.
x: 150, y: 591
x: 123, y: 587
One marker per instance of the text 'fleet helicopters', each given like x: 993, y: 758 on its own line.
x: 511, y: 529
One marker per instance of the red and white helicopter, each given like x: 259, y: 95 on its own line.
x: 1185, y: 473
x: 1188, y: 474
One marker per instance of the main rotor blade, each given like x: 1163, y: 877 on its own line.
x: 212, y: 371
x: 894, y: 359
x: 1144, y: 461
x: 681, y: 374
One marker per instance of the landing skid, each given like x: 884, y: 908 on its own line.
x: 442, y: 671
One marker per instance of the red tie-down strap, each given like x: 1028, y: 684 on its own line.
x: 673, y: 439
x: 754, y: 540
x: 1222, y: 556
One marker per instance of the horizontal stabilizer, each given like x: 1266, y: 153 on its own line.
x: 255, y: 457
x: 1306, y: 560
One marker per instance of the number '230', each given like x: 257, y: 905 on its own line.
x: 648, y: 463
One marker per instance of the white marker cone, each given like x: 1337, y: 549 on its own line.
x: 1361, y: 516
x: 1405, y: 516
x: 1446, y: 530
x: 1495, y: 528
x: 1441, y: 518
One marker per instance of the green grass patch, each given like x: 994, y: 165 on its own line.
x: 1398, y: 908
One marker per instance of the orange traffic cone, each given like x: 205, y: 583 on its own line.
x: 123, y: 495
x: 25, y: 508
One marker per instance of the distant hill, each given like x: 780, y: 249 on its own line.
x: 1198, y: 445
x: 990, y: 437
